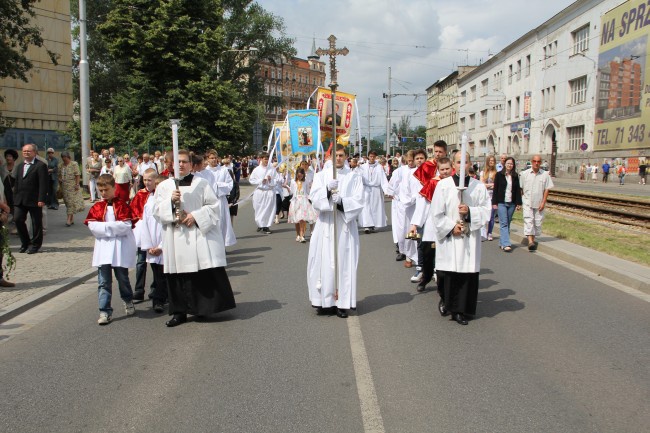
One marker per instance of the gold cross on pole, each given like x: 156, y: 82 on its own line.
x: 332, y: 51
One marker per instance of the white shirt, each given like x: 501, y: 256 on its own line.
x: 533, y: 186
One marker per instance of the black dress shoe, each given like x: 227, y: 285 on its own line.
x: 400, y: 257
x: 32, y: 251
x: 138, y: 296
x: 343, y: 314
x: 259, y: 229
x: 442, y: 309
x: 459, y: 318
x: 158, y: 307
x: 23, y: 249
x: 421, y: 286
x: 177, y: 319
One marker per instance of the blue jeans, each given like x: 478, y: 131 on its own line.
x: 491, y: 223
x: 506, y: 211
x: 105, y: 280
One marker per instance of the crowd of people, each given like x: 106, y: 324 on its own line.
x: 143, y: 216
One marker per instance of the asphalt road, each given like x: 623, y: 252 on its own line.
x: 550, y: 350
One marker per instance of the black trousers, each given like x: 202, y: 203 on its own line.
x: 159, y: 291
x: 427, y: 254
x: 20, y: 218
x: 141, y: 274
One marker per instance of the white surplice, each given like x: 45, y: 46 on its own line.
x: 114, y: 242
x: 222, y: 184
x: 151, y: 233
x: 264, y: 195
x: 456, y: 253
x: 190, y: 249
x: 320, y: 263
x: 375, y: 185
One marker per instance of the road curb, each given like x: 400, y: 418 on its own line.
x: 46, y: 294
x: 621, y: 275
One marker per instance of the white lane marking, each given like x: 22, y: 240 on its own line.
x: 370, y: 413
x: 612, y: 283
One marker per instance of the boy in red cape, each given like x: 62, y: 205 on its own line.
x: 137, y: 210
x: 111, y: 222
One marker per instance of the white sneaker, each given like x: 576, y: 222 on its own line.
x: 302, y: 240
x: 104, y: 318
x: 417, y: 277
x: 129, y: 308
x: 298, y: 238
x: 277, y: 220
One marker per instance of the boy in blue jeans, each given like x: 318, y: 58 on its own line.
x: 111, y: 223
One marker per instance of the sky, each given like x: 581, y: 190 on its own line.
x: 420, y: 40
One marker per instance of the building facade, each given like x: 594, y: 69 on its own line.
x: 541, y: 94
x: 442, y: 109
x: 292, y: 81
x: 40, y: 109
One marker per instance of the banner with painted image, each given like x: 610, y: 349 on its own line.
x: 281, y: 140
x: 623, y: 105
x: 303, y: 131
x: 340, y: 117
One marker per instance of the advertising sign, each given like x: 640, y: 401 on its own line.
x: 623, y: 91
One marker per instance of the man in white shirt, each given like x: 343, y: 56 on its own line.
x: 375, y: 185
x: 535, y: 186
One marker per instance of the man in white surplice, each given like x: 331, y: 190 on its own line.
x: 458, y: 254
x: 222, y: 184
x: 263, y: 177
x: 341, y: 199
x: 194, y: 254
x: 375, y: 185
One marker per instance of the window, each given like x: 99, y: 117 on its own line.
x: 472, y: 121
x: 497, y: 112
x: 578, y: 88
x: 509, y: 110
x: 580, y: 39
x: 463, y: 97
x: 528, y: 65
x: 497, y: 80
x: 484, y: 87
x: 462, y: 124
x: 472, y: 93
x: 517, y: 106
x: 510, y: 74
x: 518, y: 70
x: 550, y: 54
x: 576, y: 136
x: 484, y: 118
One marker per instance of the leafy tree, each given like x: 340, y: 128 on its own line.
x: 162, y: 59
x: 17, y: 34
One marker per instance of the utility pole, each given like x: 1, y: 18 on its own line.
x: 368, y: 136
x: 388, y: 96
x: 84, y: 91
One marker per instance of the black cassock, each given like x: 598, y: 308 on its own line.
x: 200, y: 293
x: 459, y: 291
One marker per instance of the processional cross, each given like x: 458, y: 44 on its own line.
x: 332, y: 52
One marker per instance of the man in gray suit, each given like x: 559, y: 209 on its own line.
x: 30, y: 192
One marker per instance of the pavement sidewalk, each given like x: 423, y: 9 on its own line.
x: 65, y: 262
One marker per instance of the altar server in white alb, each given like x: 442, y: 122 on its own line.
x: 194, y: 253
x: 397, y: 208
x: 222, y: 184
x: 263, y: 177
x: 458, y: 253
x: 341, y: 199
x: 375, y: 185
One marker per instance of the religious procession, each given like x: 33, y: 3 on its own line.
x: 180, y: 222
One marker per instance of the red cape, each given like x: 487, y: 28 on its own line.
x: 138, y: 202
x: 426, y: 174
x: 121, y: 210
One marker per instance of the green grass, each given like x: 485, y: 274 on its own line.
x: 620, y: 243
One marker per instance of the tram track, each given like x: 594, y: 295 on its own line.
x: 611, y: 209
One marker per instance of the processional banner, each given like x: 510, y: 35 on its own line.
x: 281, y: 140
x: 303, y: 131
x: 339, y: 118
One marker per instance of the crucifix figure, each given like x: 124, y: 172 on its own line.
x: 332, y: 52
